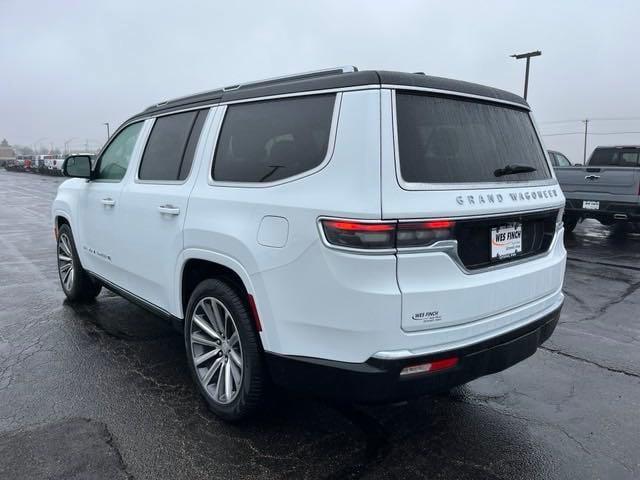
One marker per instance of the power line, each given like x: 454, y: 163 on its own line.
x: 590, y: 133
x: 597, y: 119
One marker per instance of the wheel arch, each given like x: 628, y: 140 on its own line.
x: 196, y: 265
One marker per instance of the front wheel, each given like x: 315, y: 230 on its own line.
x: 223, y: 350
x: 76, y: 283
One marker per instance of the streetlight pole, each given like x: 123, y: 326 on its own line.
x: 528, y: 56
x: 108, y: 134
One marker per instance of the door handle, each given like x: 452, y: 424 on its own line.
x: 592, y: 177
x: 108, y: 202
x: 169, y: 209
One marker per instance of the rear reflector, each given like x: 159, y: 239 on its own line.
x: 435, y: 366
x: 254, y: 311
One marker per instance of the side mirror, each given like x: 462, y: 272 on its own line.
x: 78, y: 166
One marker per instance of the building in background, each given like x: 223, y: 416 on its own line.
x: 7, y: 154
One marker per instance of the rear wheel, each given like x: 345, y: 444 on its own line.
x: 570, y: 223
x: 223, y: 350
x: 76, y: 283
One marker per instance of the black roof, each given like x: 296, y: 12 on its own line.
x: 327, y: 79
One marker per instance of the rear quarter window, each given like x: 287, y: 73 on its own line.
x: 447, y: 140
x: 271, y: 140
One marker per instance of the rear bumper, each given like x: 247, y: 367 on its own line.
x: 378, y: 380
x: 607, y: 209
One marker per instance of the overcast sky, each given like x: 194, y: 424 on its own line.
x: 68, y: 66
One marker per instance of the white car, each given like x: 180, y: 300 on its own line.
x: 368, y: 235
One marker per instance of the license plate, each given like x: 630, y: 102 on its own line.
x: 506, y: 241
x: 590, y: 205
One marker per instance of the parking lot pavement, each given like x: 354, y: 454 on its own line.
x: 103, y: 391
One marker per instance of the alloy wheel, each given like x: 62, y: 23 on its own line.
x: 216, y: 350
x: 65, y: 262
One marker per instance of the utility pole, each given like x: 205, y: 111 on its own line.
x: 528, y: 56
x: 586, y: 131
x: 108, y: 134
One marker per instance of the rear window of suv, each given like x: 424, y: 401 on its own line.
x: 446, y: 140
x: 272, y: 140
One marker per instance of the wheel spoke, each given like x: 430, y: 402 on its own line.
x: 197, y: 338
x: 65, y: 245
x: 205, y: 327
x: 206, y: 356
x: 213, y: 316
x: 216, y: 394
x: 64, y: 268
x: 235, y: 373
x: 64, y: 258
x: 71, y: 275
x: 227, y: 381
x: 211, y: 372
x: 65, y: 278
x: 233, y: 339
x: 236, y: 358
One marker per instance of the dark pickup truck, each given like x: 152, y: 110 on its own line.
x: 607, y: 188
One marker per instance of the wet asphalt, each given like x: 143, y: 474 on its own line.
x: 103, y: 391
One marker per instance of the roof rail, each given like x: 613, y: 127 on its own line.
x: 268, y: 81
x: 295, y: 76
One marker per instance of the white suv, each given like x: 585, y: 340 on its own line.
x: 368, y: 235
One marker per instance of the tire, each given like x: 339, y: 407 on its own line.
x: 233, y: 380
x: 570, y: 224
x: 76, y: 283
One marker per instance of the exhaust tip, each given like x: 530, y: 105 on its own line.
x: 620, y: 216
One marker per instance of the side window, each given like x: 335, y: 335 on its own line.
x: 553, y: 158
x: 271, y: 140
x: 562, y: 160
x: 629, y: 159
x: 115, y: 159
x: 167, y: 149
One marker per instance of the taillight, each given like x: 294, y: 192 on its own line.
x: 421, y: 234
x: 385, y: 235
x: 350, y: 234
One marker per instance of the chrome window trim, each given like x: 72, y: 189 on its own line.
x: 414, y: 186
x: 255, y: 99
x: 325, y: 161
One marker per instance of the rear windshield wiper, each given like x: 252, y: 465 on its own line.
x: 514, y: 168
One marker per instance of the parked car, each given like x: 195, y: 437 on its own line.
x: 366, y: 235
x: 55, y: 166
x: 558, y: 159
x: 607, y: 188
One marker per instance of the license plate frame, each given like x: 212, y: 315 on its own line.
x: 506, y: 241
x: 591, y: 204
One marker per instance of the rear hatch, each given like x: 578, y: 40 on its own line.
x: 474, y: 174
x: 611, y: 170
